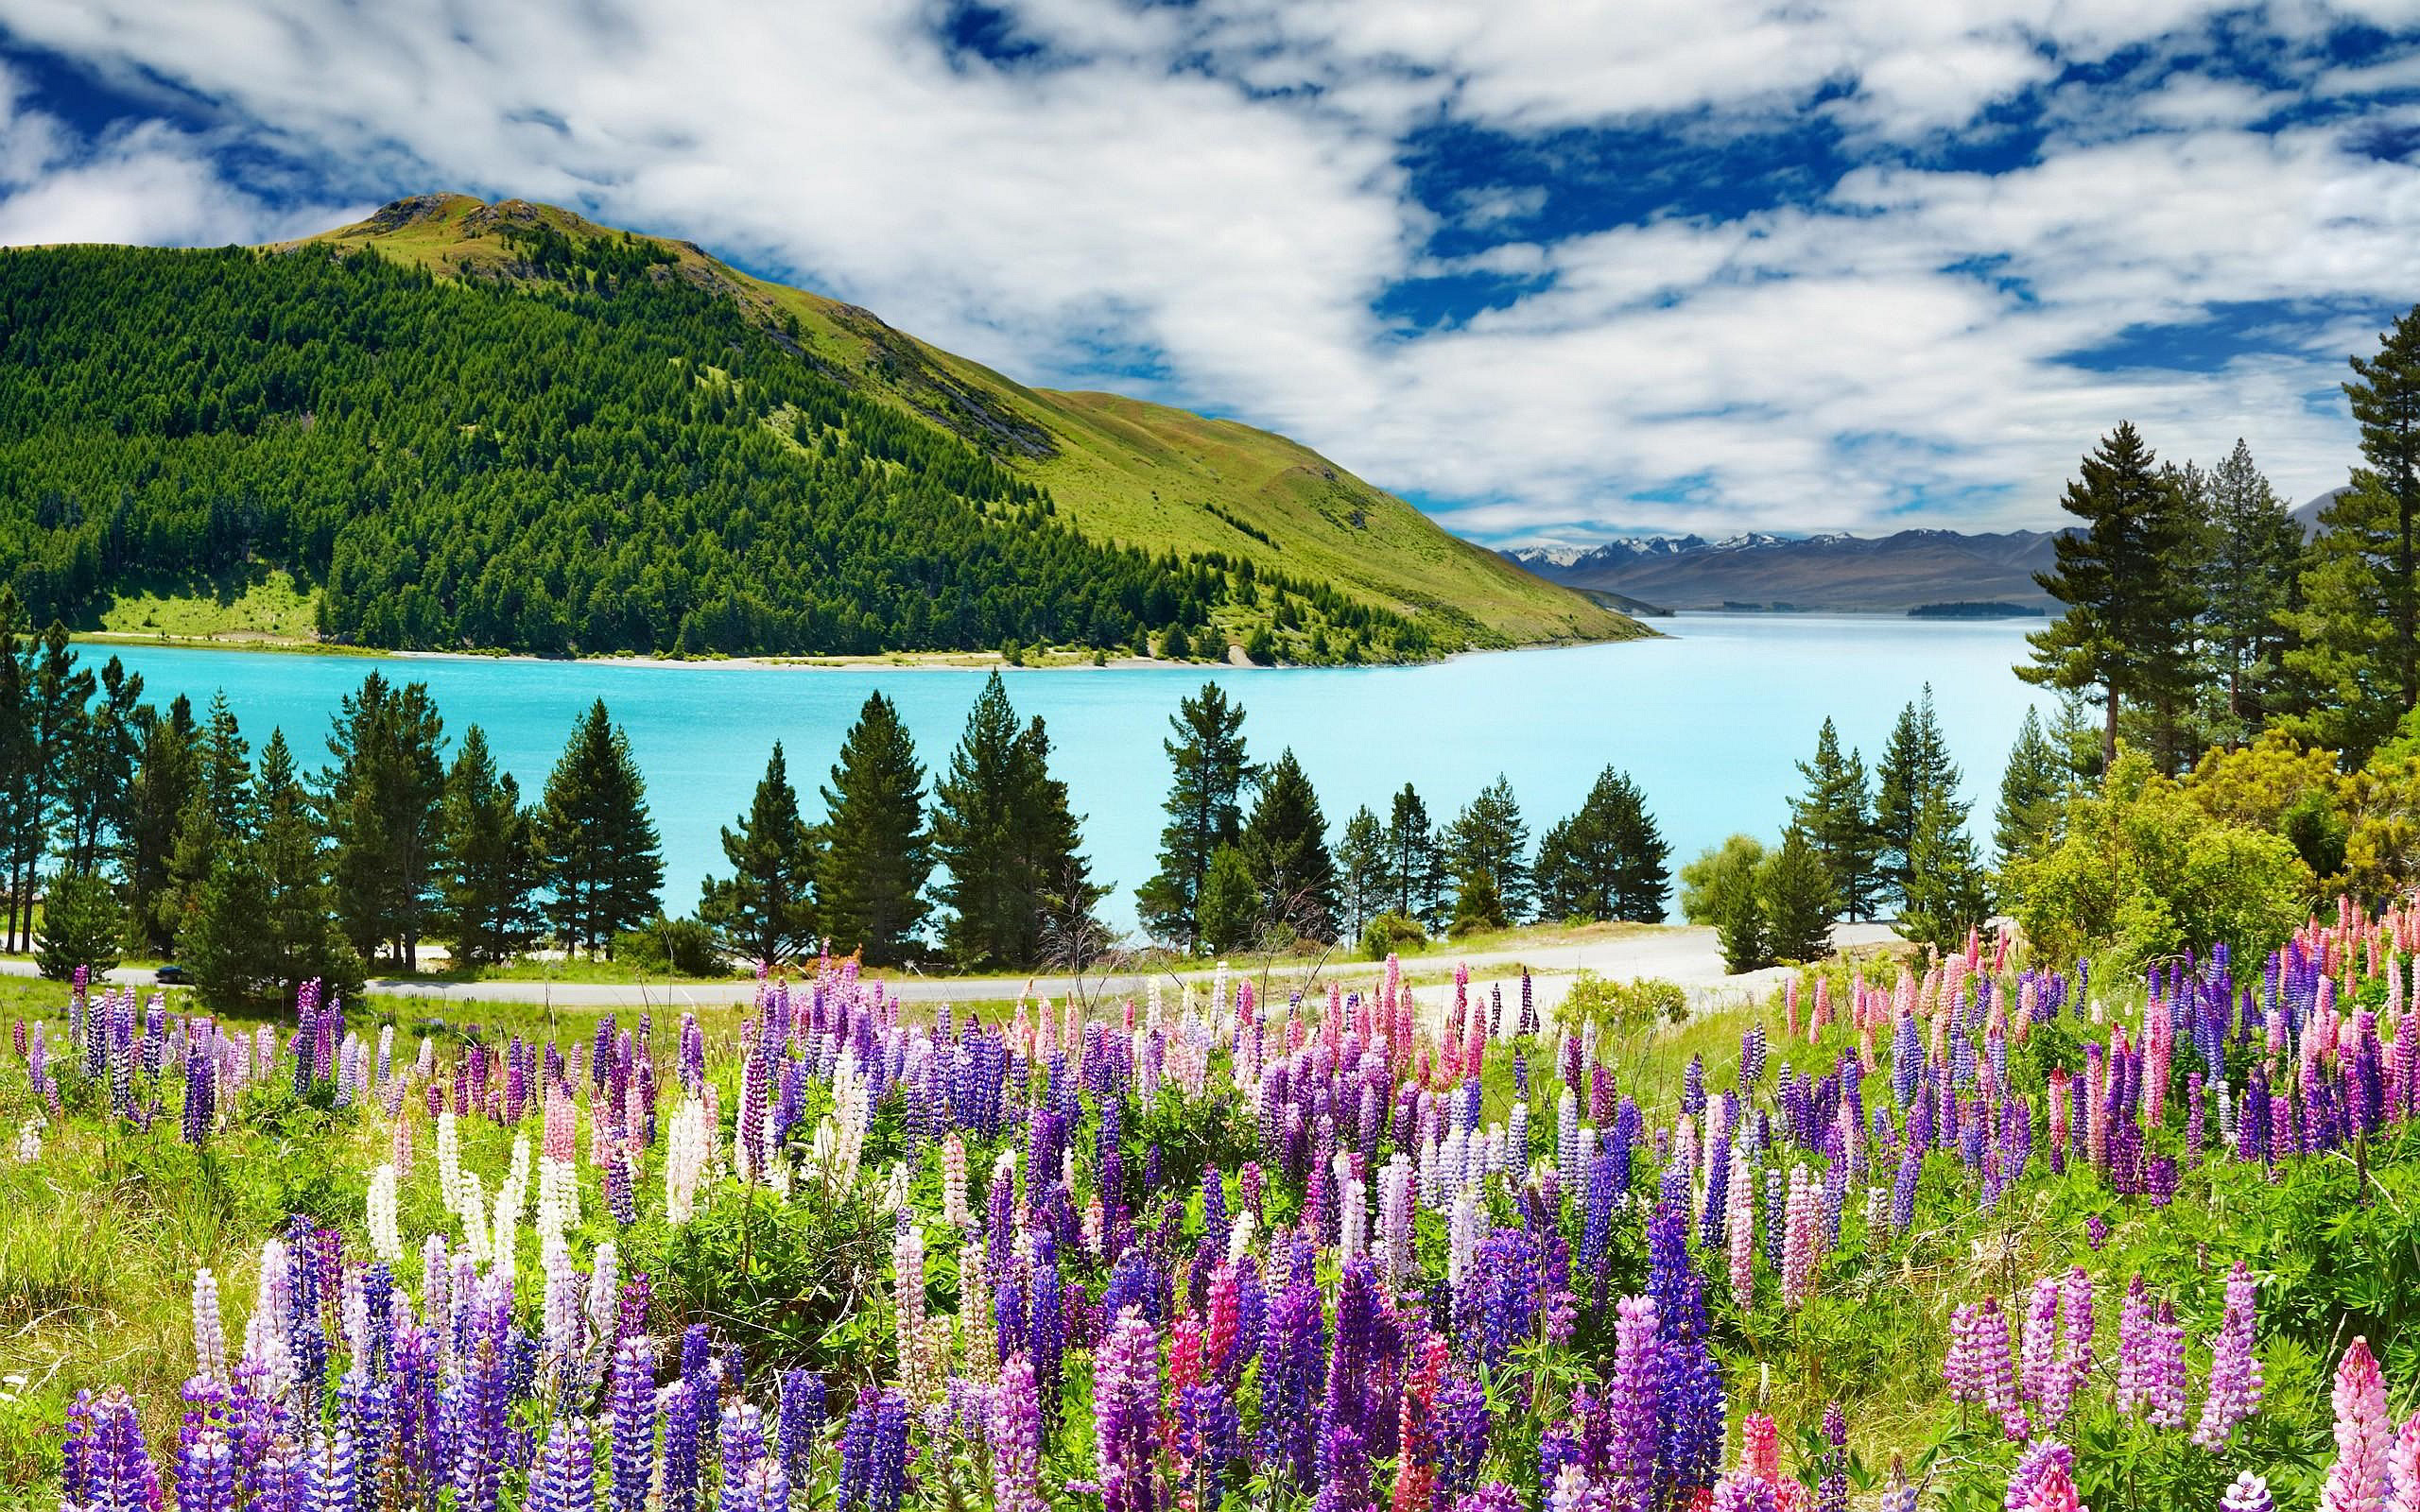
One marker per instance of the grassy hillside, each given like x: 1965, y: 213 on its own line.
x: 1122, y: 470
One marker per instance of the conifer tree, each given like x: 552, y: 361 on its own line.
x: 1285, y: 844
x: 82, y: 924
x: 165, y: 775
x: 261, y: 924
x: 1607, y: 861
x: 1838, y: 815
x: 101, y: 768
x: 1204, y: 809
x: 1229, y: 904
x: 490, y: 871
x: 382, y: 803
x: 2127, y: 580
x: 1915, y: 769
x: 764, y: 912
x: 1007, y: 845
x: 1415, y: 880
x: 2030, y: 789
x: 51, y: 692
x: 1360, y: 871
x: 1945, y: 897
x: 1488, y: 839
x: 603, y: 865
x: 1795, y: 888
x: 876, y: 853
x: 2248, y: 586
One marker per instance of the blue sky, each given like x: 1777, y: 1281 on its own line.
x: 1555, y: 270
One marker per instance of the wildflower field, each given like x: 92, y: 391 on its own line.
x: 1967, y: 1235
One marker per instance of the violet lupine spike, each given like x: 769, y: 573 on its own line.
x: 2235, y: 1373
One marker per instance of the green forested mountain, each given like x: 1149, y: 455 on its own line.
x: 500, y: 426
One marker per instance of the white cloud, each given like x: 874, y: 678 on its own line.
x: 1222, y: 186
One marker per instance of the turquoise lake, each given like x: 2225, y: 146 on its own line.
x: 1709, y: 720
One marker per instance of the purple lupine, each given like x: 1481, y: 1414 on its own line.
x: 2235, y: 1373
x: 2248, y: 1493
x: 873, y: 1454
x: 1832, y: 1488
x: 1126, y: 1394
x: 631, y: 1455
x: 1014, y: 1434
x: 1636, y: 1399
x: 800, y: 1420
x: 683, y: 1435
x: 564, y: 1477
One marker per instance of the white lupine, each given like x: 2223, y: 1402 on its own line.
x: 953, y: 1208
x: 504, y: 1236
x: 29, y: 1139
x: 385, y: 1239
x: 604, y: 1290
x: 266, y: 1346
x: 208, y: 1329
x: 685, y: 1162
x: 561, y: 1298
x: 471, y: 1209
x: 1462, y: 1238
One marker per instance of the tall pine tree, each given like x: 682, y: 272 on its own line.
x: 490, y: 872
x: 383, y: 805
x: 1838, y: 815
x: 1205, y: 810
x: 1607, y: 861
x: 764, y: 912
x: 1488, y: 841
x: 1415, y: 880
x: 604, y: 866
x: 1014, y: 880
x: 1945, y: 896
x: 1360, y: 871
x: 869, y: 874
x: 165, y: 775
x: 2127, y: 578
x: 2037, y: 777
x: 1285, y: 844
x: 1915, y: 769
x: 2255, y: 550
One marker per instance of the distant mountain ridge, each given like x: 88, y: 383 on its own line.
x: 1834, y: 571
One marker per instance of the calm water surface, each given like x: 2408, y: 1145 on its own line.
x: 1709, y: 721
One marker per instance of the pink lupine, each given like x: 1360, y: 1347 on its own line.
x: 1798, y: 1243
x: 2365, y: 1435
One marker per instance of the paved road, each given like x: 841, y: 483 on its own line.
x: 1686, y: 954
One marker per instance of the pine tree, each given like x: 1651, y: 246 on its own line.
x: 381, y: 804
x: 1607, y: 861
x: 1360, y: 871
x: 1204, y: 807
x: 764, y: 912
x: 2030, y: 790
x: 298, y: 922
x: 225, y: 767
x: 53, y: 693
x: 1013, y: 878
x: 2248, y: 586
x: 1285, y: 844
x: 869, y: 874
x: 1723, y: 889
x: 1416, y: 868
x: 1488, y: 838
x: 261, y: 924
x: 1838, y: 816
x: 2359, y: 625
x: 2127, y: 580
x: 1478, y: 903
x: 603, y: 865
x: 165, y: 775
x: 1231, y: 905
x: 1915, y: 769
x: 1795, y: 888
x: 490, y: 872
x: 82, y: 924
x: 1945, y: 894
x: 101, y: 768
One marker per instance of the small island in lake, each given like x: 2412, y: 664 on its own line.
x: 1984, y: 610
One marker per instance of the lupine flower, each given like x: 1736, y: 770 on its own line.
x: 1014, y: 1434
x: 2358, y: 1482
x: 2234, y: 1374
x: 2248, y: 1493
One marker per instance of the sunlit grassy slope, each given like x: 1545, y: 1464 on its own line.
x: 1138, y: 473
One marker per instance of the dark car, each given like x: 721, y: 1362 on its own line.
x: 172, y: 975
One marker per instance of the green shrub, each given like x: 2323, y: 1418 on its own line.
x: 680, y: 947
x: 1392, y: 934
x: 1624, y: 1006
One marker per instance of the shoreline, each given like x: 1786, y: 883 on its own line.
x: 892, y: 661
